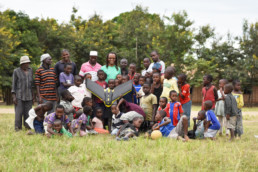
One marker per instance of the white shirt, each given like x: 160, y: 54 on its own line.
x: 144, y: 72
x: 79, y: 93
x: 162, y: 68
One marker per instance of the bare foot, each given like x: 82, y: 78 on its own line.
x: 30, y: 132
x: 186, y: 138
x: 220, y: 134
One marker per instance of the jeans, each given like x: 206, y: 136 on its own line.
x: 38, y: 126
x: 187, y: 110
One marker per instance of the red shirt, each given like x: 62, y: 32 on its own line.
x: 166, y: 109
x: 175, y: 109
x: 102, y: 84
x: 185, y: 91
x: 208, y: 95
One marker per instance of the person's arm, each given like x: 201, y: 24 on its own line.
x: 14, y: 85
x: 206, y: 125
x: 70, y: 128
x: 38, y: 94
x: 227, y: 107
x: 75, y: 69
x: 215, y: 93
x: 241, y: 101
x: 66, y: 85
x: 181, y: 111
x: 195, y: 126
x: 152, y: 87
x: 166, y: 122
x: 154, y: 126
x: 154, y: 107
x: 122, y: 100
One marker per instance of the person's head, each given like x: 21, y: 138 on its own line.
x: 87, y: 76
x: 236, y: 85
x: 87, y: 110
x: 169, y: 72
x: 87, y: 101
x: 46, y: 59
x: 156, y: 68
x: 101, y: 75
x: 111, y: 59
x: 99, y: 112
x: 119, y: 77
x: 59, y: 111
x: 146, y: 63
x: 155, y: 56
x: 132, y: 68
x: 25, y: 62
x: 207, y: 79
x: 207, y: 105
x: 77, y: 80
x: 173, y: 95
x: 228, y: 88
x: 123, y: 63
x: 57, y: 125
x: 142, y: 80
x: 125, y: 78
x: 148, y: 75
x: 117, y: 82
x: 137, y: 122
x: 111, y: 84
x: 222, y: 83
x: 156, y: 77
x: 68, y: 68
x: 163, y: 102
x: 181, y: 79
x: 160, y: 115
x: 47, y: 106
x: 136, y: 78
x: 65, y: 55
x: 146, y: 88
x: 201, y: 115
x: 114, y: 110
x: 93, y: 57
x: 67, y: 96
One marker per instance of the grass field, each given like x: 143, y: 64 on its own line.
x: 20, y: 152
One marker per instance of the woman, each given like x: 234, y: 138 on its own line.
x: 111, y: 68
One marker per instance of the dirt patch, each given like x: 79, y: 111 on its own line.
x: 5, y: 110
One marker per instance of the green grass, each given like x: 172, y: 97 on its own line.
x: 20, y: 152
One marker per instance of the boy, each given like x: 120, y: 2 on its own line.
x: 209, y: 91
x: 164, y: 125
x: 149, y: 105
x: 132, y: 70
x: 198, y: 128
x: 211, y: 124
x: 137, y: 85
x: 59, y: 130
x: 163, y: 105
x: 66, y: 78
x: 230, y: 110
x: 175, y: 108
x: 116, y: 121
x: 66, y: 102
x: 123, y: 65
x: 146, y: 64
x: 169, y: 83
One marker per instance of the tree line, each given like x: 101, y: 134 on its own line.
x: 133, y: 35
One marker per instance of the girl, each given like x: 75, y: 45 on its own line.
x: 156, y: 86
x: 240, y: 103
x: 101, y: 81
x: 111, y: 68
x: 66, y: 78
x: 98, y: 123
x: 163, y: 105
x: 219, y: 108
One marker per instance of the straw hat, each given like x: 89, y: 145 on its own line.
x: 24, y: 59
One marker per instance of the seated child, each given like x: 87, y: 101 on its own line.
x: 66, y: 78
x: 129, y: 130
x: 163, y: 105
x: 175, y: 108
x: 116, y: 121
x: 59, y: 130
x: 97, y: 122
x: 211, y: 124
x: 198, y: 128
x: 66, y: 102
x: 58, y: 114
x: 36, y: 117
x: 164, y: 123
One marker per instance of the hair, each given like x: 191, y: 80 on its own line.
x: 224, y: 80
x: 133, y: 64
x: 209, y: 77
x: 127, y: 77
x: 156, y: 73
x: 208, y: 104
x: 146, y: 58
x: 155, y: 51
x: 49, y: 104
x: 64, y: 93
x: 57, y: 122
x: 87, y: 74
x: 202, y: 112
x: 143, y: 77
x: 165, y: 99
x: 65, y: 50
x: 98, y: 108
x: 111, y: 80
x: 124, y: 59
x: 87, y: 109
x: 183, y: 76
x: 172, y: 91
x: 137, y: 74
x: 115, y: 61
x: 162, y: 113
x: 171, y: 70
x: 147, y: 83
x: 85, y: 100
x: 235, y: 82
x: 60, y: 107
x: 67, y: 64
x: 77, y: 77
x: 229, y: 87
x: 100, y: 71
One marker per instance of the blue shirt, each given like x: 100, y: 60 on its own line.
x: 137, y: 87
x: 210, y: 116
x: 166, y: 129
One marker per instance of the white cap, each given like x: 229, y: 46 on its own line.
x: 93, y: 53
x: 24, y: 59
x: 44, y: 56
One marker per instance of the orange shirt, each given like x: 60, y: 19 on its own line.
x: 185, y: 91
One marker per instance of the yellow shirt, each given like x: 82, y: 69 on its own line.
x: 146, y: 103
x: 169, y: 85
x: 239, y: 99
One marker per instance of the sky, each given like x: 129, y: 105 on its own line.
x: 224, y: 15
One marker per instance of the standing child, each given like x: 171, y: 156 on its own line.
x: 211, y: 124
x: 123, y: 65
x: 137, y: 86
x: 149, y: 105
x: 98, y: 123
x: 141, y: 82
x: 66, y: 78
x: 219, y: 108
x: 101, y: 81
x: 163, y: 105
x: 132, y: 70
x: 169, y: 82
x: 175, y: 108
x: 209, y: 91
x: 184, y: 96
x: 116, y: 121
x: 240, y: 103
x: 146, y: 64
x: 66, y: 102
x: 156, y: 86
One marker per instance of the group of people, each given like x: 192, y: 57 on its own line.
x: 159, y: 100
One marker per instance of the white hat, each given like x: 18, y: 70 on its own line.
x: 24, y: 59
x: 93, y: 53
x: 44, y: 56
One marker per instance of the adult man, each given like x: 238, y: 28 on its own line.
x: 155, y: 58
x: 45, y: 81
x: 91, y: 66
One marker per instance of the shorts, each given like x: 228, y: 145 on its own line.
x: 232, y: 122
x: 179, y: 129
x: 210, y: 133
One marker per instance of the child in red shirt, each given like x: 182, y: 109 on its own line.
x: 164, y: 105
x: 175, y: 108
x: 209, y: 91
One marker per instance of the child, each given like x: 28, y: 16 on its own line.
x: 117, y: 82
x: 169, y: 83
x: 163, y: 105
x: 101, y: 81
x: 59, y: 130
x: 198, y: 128
x: 219, y: 108
x: 120, y: 78
x: 175, y: 108
x: 58, y: 114
x: 141, y: 82
x: 66, y: 102
x: 146, y: 64
x: 36, y: 117
x: 116, y: 121
x: 129, y: 130
x: 149, y: 105
x: 240, y: 103
x: 66, y: 78
x: 130, y: 97
x: 231, y: 110
x: 209, y: 91
x: 123, y: 65
x: 137, y: 85
x: 211, y: 124
x: 156, y: 86
x: 184, y: 96
x: 97, y: 122
x: 164, y: 123
x: 156, y: 68
x: 132, y: 70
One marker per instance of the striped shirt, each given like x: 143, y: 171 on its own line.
x: 46, y: 79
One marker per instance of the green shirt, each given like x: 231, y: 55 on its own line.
x: 111, y: 72
x: 64, y: 132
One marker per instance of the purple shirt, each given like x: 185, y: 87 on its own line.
x: 63, y: 77
x: 134, y: 107
x: 52, y: 117
x: 84, y: 120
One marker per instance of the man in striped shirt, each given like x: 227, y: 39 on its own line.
x: 45, y: 81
